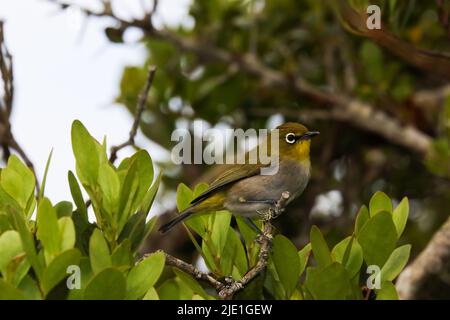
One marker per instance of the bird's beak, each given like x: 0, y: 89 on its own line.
x: 309, y: 135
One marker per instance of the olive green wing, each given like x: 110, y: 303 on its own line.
x: 233, y: 174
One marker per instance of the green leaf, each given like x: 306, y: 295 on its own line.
x: 387, y: 291
x: 109, y: 284
x: 328, y: 283
x: 18, y: 181
x: 144, y: 173
x: 44, y: 179
x: 184, y: 197
x: 21, y: 271
x: 150, y: 195
x: 66, y: 233
x: 233, y: 260
x: 151, y: 294
x: 128, y: 193
x: 28, y: 243
x: 219, y: 225
x: 144, y: 275
x: 350, y: 249
x: 57, y: 269
x: 86, y: 154
x: 63, y: 209
x: 77, y: 195
x: 361, y: 219
x: 303, y: 256
x: 287, y: 263
x: 320, y: 248
x: 134, y: 230
x: 378, y: 238
x: 30, y: 288
x: 174, y: 289
x: 400, y: 216
x: 380, y: 202
x: 395, y: 263
x: 147, y: 230
x: 8, y: 292
x: 99, y: 252
x: 122, y: 255
x: 110, y: 186
x: 190, y: 282
x: 47, y: 229
x: 10, y: 247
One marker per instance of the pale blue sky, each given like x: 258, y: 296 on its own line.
x: 63, y: 73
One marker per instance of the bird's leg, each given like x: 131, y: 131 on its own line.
x: 271, y: 213
x: 252, y: 225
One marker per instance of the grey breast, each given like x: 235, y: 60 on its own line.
x: 291, y: 176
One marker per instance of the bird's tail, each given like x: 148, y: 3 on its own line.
x: 169, y: 225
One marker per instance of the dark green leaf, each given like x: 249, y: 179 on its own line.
x: 109, y: 284
x: 320, y: 248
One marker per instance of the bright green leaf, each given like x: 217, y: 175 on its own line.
x: 350, y: 247
x: 10, y: 246
x: 400, y: 216
x: 378, y: 238
x: 144, y: 275
x: 387, y: 291
x: 99, y: 252
x: 361, y: 218
x: 47, y: 229
x: 86, y: 154
x: 395, y: 263
x: 380, y: 202
x: 18, y: 181
x: 303, y: 256
x: 66, y: 233
x: 57, y: 269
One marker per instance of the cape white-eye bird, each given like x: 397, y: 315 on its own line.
x: 243, y: 190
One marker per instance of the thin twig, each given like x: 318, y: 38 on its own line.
x: 190, y: 269
x: 142, y: 101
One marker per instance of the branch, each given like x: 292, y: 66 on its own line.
x: 426, y: 60
x: 197, y: 274
x: 350, y: 110
x: 7, y: 140
x: 419, y: 280
x: 142, y: 101
x: 227, y: 290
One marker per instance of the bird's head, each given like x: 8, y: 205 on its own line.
x: 295, y: 140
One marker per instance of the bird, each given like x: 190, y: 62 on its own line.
x: 243, y: 190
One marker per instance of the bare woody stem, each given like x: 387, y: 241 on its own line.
x: 142, y: 102
x: 418, y: 280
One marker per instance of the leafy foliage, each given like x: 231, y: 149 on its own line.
x: 35, y: 254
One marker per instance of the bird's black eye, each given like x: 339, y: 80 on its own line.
x: 290, y: 138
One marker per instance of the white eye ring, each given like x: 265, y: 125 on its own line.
x: 290, y: 138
